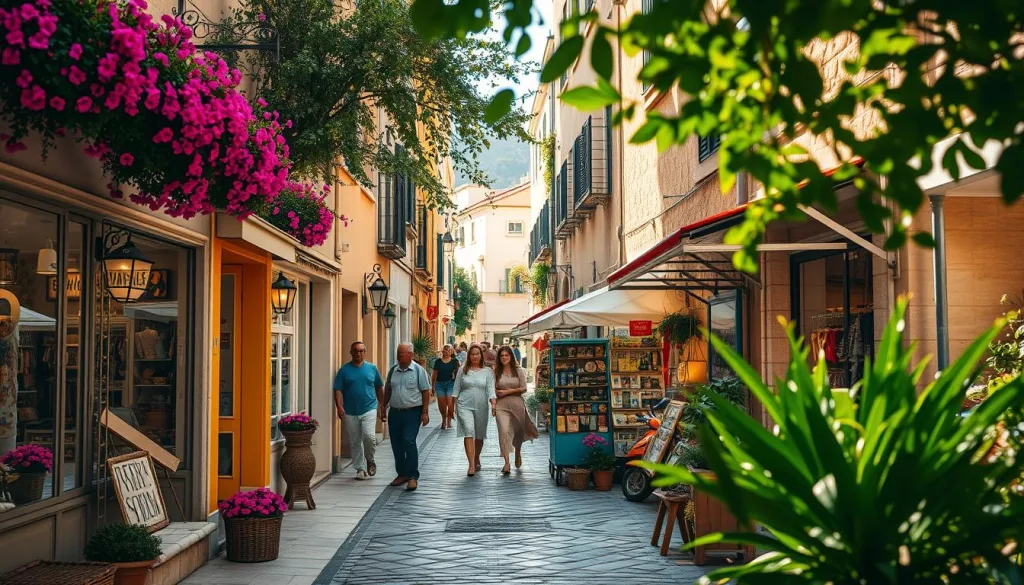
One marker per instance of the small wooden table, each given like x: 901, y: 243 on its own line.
x: 671, y: 507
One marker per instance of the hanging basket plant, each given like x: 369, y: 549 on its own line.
x: 678, y: 328
x: 164, y: 118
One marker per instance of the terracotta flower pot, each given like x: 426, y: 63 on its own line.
x: 132, y: 573
x: 27, y: 488
x: 603, y: 480
x: 298, y: 464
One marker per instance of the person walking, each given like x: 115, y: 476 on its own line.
x: 489, y: 356
x: 357, y: 393
x: 474, y: 389
x: 514, y: 424
x: 445, y: 370
x: 462, y: 353
x: 407, y: 394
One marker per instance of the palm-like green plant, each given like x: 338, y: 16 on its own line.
x: 882, y: 485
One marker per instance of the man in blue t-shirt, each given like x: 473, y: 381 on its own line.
x: 358, y: 396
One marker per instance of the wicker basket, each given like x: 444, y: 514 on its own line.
x: 578, y: 479
x: 49, y: 573
x: 253, y: 540
x: 27, y: 489
x: 298, y: 464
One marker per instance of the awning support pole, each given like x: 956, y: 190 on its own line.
x: 849, y: 234
x: 939, y: 267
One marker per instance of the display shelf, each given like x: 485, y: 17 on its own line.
x: 579, y: 378
x: 637, y: 382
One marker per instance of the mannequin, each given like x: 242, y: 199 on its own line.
x: 10, y: 314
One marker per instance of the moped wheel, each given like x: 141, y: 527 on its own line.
x: 636, y: 484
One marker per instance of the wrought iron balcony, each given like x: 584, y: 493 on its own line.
x: 591, y: 166
x: 540, y: 236
x: 422, y: 266
x: 567, y: 219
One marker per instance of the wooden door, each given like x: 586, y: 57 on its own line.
x: 229, y: 429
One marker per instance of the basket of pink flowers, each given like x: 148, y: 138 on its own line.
x: 29, y: 464
x: 252, y: 521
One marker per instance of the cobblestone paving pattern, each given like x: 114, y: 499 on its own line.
x: 503, y: 529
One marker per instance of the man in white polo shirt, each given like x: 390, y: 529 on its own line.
x: 407, y: 393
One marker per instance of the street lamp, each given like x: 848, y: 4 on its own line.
x: 388, y: 316
x: 376, y: 291
x: 125, y: 267
x: 448, y: 241
x: 282, y: 294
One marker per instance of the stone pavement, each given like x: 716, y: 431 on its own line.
x: 311, y: 538
x: 456, y: 529
x: 502, y: 529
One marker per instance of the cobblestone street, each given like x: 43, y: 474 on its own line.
x: 502, y: 529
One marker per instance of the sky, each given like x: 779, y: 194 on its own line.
x: 539, y: 35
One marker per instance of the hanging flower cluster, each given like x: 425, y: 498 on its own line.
x: 258, y: 503
x: 301, y: 211
x: 160, y: 114
x: 29, y: 459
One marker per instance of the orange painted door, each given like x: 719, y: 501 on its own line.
x: 229, y: 430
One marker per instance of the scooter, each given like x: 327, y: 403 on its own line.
x: 636, y: 481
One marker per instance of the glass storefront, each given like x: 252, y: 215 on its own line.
x: 833, y: 305
x: 289, y: 351
x: 68, y: 350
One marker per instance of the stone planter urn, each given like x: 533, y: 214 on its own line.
x: 298, y: 464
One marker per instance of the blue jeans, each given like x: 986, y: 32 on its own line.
x: 444, y: 388
x: 404, y: 426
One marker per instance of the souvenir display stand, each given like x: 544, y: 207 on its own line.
x: 579, y: 400
x: 637, y: 382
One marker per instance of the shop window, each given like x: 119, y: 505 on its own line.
x: 144, y: 347
x: 725, y: 316
x: 32, y: 359
x: 833, y: 305
x: 288, y: 348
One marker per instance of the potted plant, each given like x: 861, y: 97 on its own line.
x: 298, y: 463
x: 252, y: 523
x: 423, y: 350
x: 543, y: 395
x: 129, y: 547
x: 678, y: 328
x: 599, y: 461
x: 31, y: 463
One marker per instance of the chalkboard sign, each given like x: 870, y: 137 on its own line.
x: 662, y: 438
x: 138, y: 491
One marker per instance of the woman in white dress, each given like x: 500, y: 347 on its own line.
x: 474, y: 393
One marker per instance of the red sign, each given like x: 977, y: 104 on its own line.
x: 640, y: 328
x: 431, y: 312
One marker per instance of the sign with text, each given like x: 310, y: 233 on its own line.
x: 73, y: 287
x: 138, y: 491
x: 431, y: 312
x: 640, y: 328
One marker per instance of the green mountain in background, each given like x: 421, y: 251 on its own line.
x: 506, y: 162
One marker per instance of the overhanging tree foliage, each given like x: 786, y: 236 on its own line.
x: 745, y: 70
x: 340, y: 63
x: 469, y: 299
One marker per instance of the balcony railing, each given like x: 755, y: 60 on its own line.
x: 540, y: 236
x: 566, y: 214
x: 591, y: 168
x: 421, y: 240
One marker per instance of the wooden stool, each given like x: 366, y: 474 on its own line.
x: 671, y: 507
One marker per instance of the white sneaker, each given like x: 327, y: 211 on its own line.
x: 361, y: 474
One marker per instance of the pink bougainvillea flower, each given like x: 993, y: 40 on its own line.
x: 84, y: 104
x: 75, y: 52
x: 33, y: 98
x: 24, y: 79
x: 127, y: 159
x: 13, y: 147
x: 10, y: 56
x: 57, y: 103
x: 76, y: 76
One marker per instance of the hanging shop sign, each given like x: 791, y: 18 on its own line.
x: 431, y: 312
x: 138, y: 491
x: 641, y: 328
